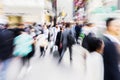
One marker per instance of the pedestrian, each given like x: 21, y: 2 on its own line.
x: 66, y: 43
x: 43, y: 41
x: 24, y: 47
x: 6, y: 49
x: 58, y: 38
x: 111, y: 52
x: 94, y: 60
x: 55, y: 29
x: 77, y: 32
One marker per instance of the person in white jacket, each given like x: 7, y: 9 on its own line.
x: 94, y: 60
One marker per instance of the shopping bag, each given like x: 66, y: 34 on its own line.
x: 55, y: 52
x: 42, y: 41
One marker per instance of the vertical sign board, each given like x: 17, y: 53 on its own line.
x: 78, y: 6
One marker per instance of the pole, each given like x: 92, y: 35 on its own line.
x: 55, y: 11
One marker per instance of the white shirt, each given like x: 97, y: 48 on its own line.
x: 46, y: 31
x: 112, y: 38
x: 54, y: 31
x: 94, y: 67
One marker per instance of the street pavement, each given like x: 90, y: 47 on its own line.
x: 47, y: 68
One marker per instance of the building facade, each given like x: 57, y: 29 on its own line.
x: 65, y: 9
x: 99, y: 10
x: 26, y: 10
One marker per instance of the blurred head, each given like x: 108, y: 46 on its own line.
x: 4, y: 26
x: 95, y: 44
x: 67, y: 25
x: 90, y: 24
x: 77, y: 23
x: 56, y: 26
x: 30, y: 26
x: 113, y: 26
x: 61, y: 29
x: 19, y: 31
x: 34, y: 24
x: 21, y: 26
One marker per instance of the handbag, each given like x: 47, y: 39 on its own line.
x: 55, y: 52
x: 70, y: 39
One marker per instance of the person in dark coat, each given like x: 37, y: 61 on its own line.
x: 6, y: 44
x: 18, y: 31
x: 77, y: 32
x: 6, y: 49
x: 58, y: 38
x: 65, y: 42
x: 110, y: 55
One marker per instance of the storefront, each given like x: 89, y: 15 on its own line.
x: 24, y: 11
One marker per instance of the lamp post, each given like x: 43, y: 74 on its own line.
x: 54, y: 6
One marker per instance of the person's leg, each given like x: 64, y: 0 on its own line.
x: 41, y: 51
x: 28, y: 57
x: 60, y: 51
x: 62, y: 54
x: 31, y: 54
x: 23, y: 67
x: 51, y: 47
x: 33, y: 50
x: 23, y: 61
x: 4, y: 67
x: 44, y: 51
x: 77, y: 36
x: 70, y: 51
x: 28, y: 64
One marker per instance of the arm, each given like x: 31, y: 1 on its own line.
x: 111, y: 60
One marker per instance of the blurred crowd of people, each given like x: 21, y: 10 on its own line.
x: 102, y: 60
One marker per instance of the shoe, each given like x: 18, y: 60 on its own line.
x: 70, y: 59
x: 59, y: 61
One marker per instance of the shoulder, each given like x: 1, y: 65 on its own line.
x: 96, y: 55
x: 95, y: 59
x: 8, y: 32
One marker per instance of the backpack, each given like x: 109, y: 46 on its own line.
x: 86, y: 40
x: 70, y: 39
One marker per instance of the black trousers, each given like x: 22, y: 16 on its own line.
x: 63, y: 52
x: 77, y: 36
x: 60, y: 51
x: 42, y: 51
x: 26, y: 59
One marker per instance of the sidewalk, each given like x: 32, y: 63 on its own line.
x: 47, y: 68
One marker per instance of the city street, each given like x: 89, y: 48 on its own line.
x: 47, y: 68
x: 29, y: 27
